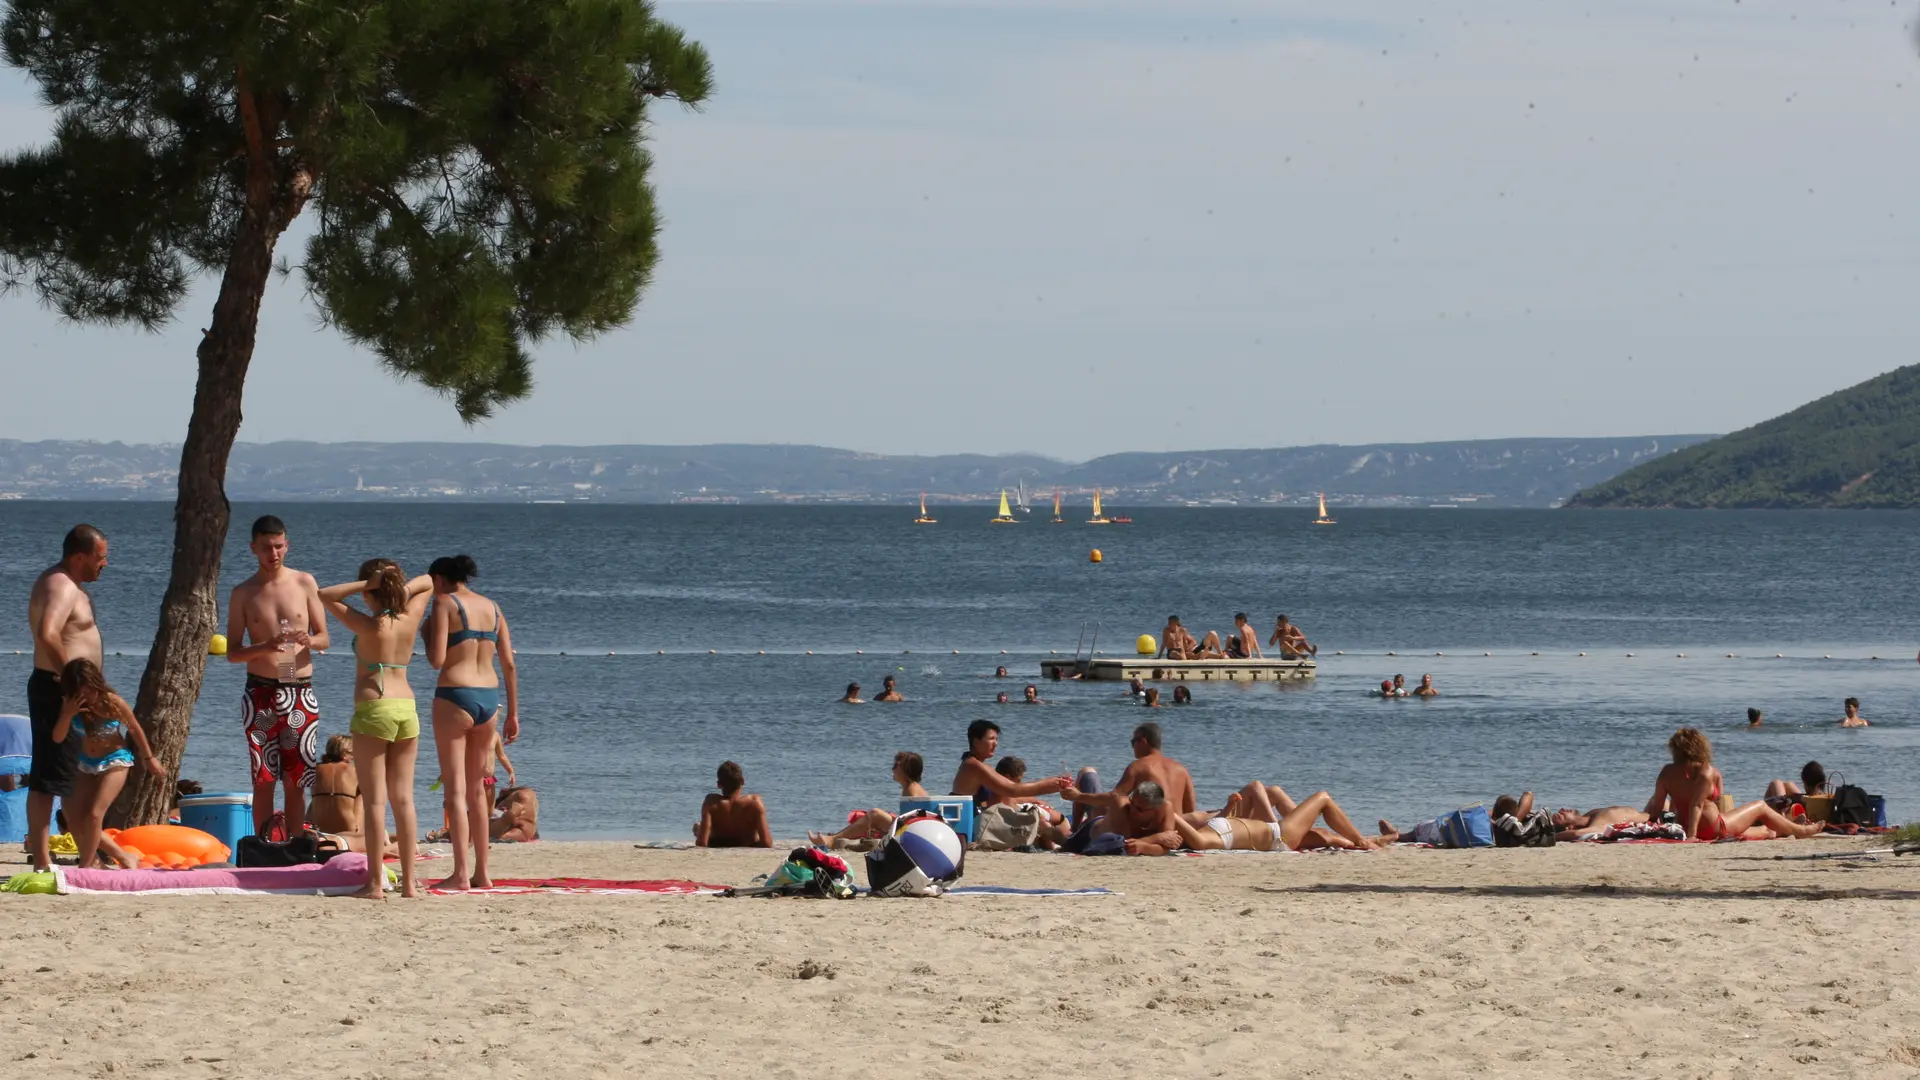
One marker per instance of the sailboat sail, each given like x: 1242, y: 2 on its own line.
x: 1005, y: 516
x: 1056, y: 507
x: 1098, y: 518
x: 923, y: 519
x: 1021, y: 497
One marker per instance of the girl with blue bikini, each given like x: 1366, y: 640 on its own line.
x: 109, y: 736
x: 466, y: 633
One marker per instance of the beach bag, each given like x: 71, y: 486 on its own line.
x: 1534, y: 830
x: 921, y: 856
x: 810, y: 872
x: 1467, y: 827
x: 1851, y: 806
x: 301, y: 849
x: 1003, y: 828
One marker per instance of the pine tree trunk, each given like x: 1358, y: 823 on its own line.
x: 189, y: 613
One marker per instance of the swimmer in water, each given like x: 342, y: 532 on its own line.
x: 1754, y: 716
x: 1182, y: 695
x: 1000, y: 672
x: 1033, y: 695
x: 1153, y: 698
x: 1853, y: 717
x: 1426, y: 687
x: 853, y: 695
x: 887, y: 691
x: 1001, y: 698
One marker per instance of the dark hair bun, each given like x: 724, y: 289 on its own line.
x: 458, y: 569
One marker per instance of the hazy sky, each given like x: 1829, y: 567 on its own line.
x: 1083, y: 226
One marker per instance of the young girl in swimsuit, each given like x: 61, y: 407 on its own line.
x: 107, y: 727
x: 1691, y: 788
x: 466, y: 633
x: 386, y: 719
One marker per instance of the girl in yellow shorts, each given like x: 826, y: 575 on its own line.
x: 386, y: 721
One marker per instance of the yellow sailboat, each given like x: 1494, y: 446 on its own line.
x: 1057, y: 519
x: 1323, y: 519
x: 923, y: 519
x: 1098, y: 518
x: 1006, y: 512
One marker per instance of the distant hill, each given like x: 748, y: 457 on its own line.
x: 1494, y: 472
x: 1858, y: 448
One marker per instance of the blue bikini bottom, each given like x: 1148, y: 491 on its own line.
x: 479, y: 702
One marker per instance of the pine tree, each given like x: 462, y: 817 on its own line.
x: 474, y: 173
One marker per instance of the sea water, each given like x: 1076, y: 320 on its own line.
x: 657, y: 641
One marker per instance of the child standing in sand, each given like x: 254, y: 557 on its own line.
x: 108, y: 728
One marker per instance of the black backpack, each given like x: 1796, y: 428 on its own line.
x: 300, y: 849
x: 1851, y: 806
x: 1535, y: 830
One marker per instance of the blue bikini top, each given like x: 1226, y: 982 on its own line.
x: 467, y: 633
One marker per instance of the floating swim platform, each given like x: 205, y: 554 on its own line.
x: 1150, y: 670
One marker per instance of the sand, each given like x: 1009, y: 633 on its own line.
x: 1671, y: 961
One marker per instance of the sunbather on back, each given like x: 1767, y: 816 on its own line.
x: 1255, y: 825
x: 1570, y: 825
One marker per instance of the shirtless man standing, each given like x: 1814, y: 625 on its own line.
x: 1149, y: 764
x: 60, y: 615
x: 278, y: 611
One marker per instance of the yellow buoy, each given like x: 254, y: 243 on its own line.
x: 1094, y: 555
x: 1145, y: 645
x: 217, y: 645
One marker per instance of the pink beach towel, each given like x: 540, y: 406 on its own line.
x: 342, y: 874
x: 589, y: 886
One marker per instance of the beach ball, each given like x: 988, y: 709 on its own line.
x: 933, y: 846
x: 1094, y: 555
x: 1145, y: 645
x: 217, y: 645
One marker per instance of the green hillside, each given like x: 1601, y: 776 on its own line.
x: 1859, y: 448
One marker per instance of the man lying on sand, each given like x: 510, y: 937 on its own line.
x: 1142, y: 819
x: 1252, y: 821
x: 1570, y: 825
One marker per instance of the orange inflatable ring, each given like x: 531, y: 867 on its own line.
x: 170, y: 847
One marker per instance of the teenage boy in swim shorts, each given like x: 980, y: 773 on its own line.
x: 282, y: 715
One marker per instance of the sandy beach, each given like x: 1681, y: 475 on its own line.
x: 1668, y: 960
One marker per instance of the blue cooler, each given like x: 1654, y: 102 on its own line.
x: 227, y: 815
x: 955, y: 810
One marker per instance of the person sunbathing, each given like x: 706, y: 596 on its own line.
x: 869, y: 825
x: 1142, y: 819
x: 1251, y: 821
x: 516, y: 816
x: 1690, y: 788
x: 1570, y: 825
x: 1813, y: 781
x: 333, y: 807
x: 732, y: 819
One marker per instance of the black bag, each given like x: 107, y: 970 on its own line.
x: 1851, y: 806
x: 1535, y: 830
x: 300, y: 849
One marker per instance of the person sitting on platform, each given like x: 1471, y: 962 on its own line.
x: 1291, y: 640
x: 731, y: 819
x: 1175, y: 642
x: 1245, y: 642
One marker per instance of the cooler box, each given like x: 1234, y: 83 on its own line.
x: 955, y: 810
x: 227, y: 815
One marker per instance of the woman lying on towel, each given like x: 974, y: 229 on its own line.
x: 1253, y: 820
x: 1690, y: 788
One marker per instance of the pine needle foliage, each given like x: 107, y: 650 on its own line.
x: 476, y: 168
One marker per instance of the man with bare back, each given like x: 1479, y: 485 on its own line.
x: 1149, y: 764
x: 277, y: 614
x: 60, y: 615
x: 1245, y: 642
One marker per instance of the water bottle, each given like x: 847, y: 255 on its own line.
x: 287, y: 652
